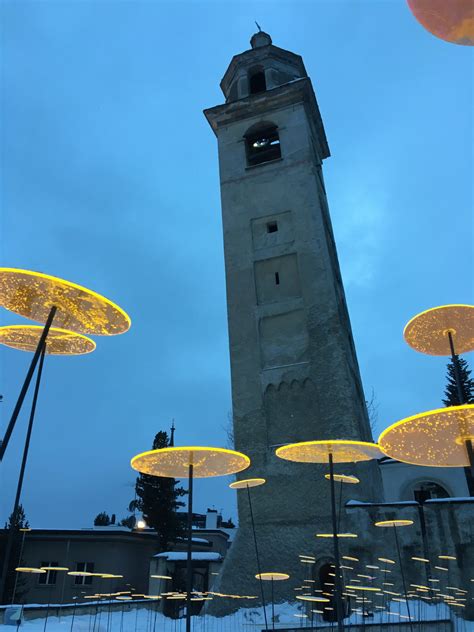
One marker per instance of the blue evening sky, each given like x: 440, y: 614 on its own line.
x: 109, y: 178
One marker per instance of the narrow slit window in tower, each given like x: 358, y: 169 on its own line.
x: 277, y: 278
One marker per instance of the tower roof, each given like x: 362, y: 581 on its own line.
x: 262, y: 50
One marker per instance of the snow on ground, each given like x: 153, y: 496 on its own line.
x: 131, y: 619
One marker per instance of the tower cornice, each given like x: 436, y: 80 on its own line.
x: 297, y: 91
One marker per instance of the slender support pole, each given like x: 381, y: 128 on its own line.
x: 26, y: 383
x: 403, y: 576
x: 468, y: 471
x: 457, y: 375
x: 273, y: 607
x: 189, y: 560
x: 470, y: 454
x: 49, y: 604
x: 73, y: 614
x: 259, y: 568
x: 64, y: 580
x: 339, y: 512
x: 337, y: 583
x: 11, y: 532
x: 19, y: 564
x: 426, y: 551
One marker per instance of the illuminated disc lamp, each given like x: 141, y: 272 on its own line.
x: 190, y: 462
x: 33, y: 294
x: 336, y: 451
x: 75, y: 310
x: 247, y: 483
x: 436, y: 438
x: 58, y: 342
x: 272, y: 577
x: 343, y: 478
x: 435, y: 330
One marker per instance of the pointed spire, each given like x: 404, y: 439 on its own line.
x: 171, y: 443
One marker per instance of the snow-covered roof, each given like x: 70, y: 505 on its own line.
x: 178, y: 556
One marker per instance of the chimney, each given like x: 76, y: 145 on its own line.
x: 211, y: 519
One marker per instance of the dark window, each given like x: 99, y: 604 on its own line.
x: 277, y: 278
x: 272, y: 227
x: 426, y: 491
x: 326, y: 584
x: 257, y: 82
x: 48, y: 578
x: 262, y: 145
x: 84, y: 567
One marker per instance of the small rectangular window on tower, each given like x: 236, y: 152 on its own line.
x: 272, y: 227
x: 277, y: 278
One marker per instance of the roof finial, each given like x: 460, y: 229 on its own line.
x: 258, y: 26
x: 260, y: 39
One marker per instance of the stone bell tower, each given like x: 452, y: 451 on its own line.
x: 295, y: 375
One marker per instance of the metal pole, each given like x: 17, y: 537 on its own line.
x: 468, y: 471
x: 403, y: 576
x: 19, y: 563
x: 337, y: 584
x: 49, y: 603
x: 340, y: 506
x: 421, y: 514
x: 73, y: 613
x: 259, y: 568
x: 11, y: 532
x: 273, y: 607
x: 26, y: 383
x: 64, y: 579
x: 189, y: 559
x: 457, y: 376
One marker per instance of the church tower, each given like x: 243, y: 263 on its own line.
x: 295, y: 375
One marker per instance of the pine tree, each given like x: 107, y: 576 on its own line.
x: 19, y: 521
x: 158, y: 500
x: 102, y: 520
x: 467, y: 384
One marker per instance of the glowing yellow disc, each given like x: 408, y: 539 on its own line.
x: 175, y: 462
x: 428, y: 332
x: 319, y: 451
x: 33, y: 294
x: 386, y: 560
x: 435, y: 438
x: 365, y: 588
x: 339, y: 535
x: 312, y: 598
x: 344, y: 478
x: 249, y: 482
x: 58, y: 342
x: 277, y: 577
x: 394, y: 523
x: 54, y: 568
x: 29, y: 569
